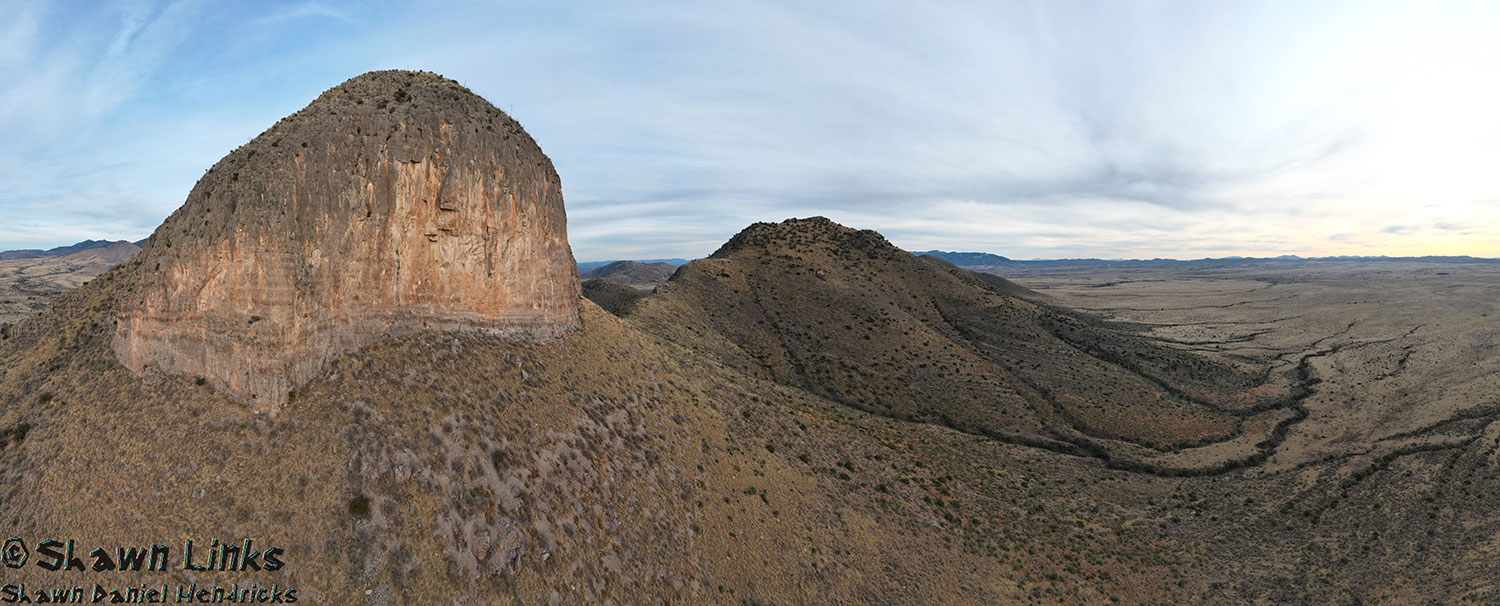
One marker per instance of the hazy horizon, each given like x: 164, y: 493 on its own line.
x: 1030, y: 130
x: 917, y: 251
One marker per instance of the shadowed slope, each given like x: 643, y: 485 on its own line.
x: 846, y: 315
x: 613, y: 296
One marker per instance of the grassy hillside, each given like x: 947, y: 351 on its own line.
x: 613, y: 296
x: 845, y: 315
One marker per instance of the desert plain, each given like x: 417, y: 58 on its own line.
x: 1386, y: 488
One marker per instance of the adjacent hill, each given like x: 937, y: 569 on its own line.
x: 644, y: 276
x: 844, y: 314
x: 588, y: 266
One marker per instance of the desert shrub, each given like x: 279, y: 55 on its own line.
x: 14, y: 434
x: 359, y: 506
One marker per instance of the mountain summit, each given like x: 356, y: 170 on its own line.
x: 395, y: 201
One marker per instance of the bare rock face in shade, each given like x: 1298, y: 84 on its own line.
x: 396, y: 201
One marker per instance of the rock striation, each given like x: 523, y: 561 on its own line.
x: 395, y: 202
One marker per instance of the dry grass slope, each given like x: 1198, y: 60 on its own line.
x: 845, y: 315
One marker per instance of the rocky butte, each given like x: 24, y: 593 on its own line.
x: 395, y: 202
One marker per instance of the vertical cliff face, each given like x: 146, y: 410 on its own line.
x: 395, y: 201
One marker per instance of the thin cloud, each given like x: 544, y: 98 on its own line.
x: 304, y: 11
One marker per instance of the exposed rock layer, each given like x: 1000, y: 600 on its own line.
x: 395, y: 201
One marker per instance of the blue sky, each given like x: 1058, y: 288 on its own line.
x: 1030, y: 129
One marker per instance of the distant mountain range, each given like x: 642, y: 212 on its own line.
x: 966, y: 259
x: 588, y: 266
x: 982, y: 259
x: 33, y: 253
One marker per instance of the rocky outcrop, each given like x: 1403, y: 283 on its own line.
x: 396, y: 201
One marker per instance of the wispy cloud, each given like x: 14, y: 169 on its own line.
x: 303, y: 11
